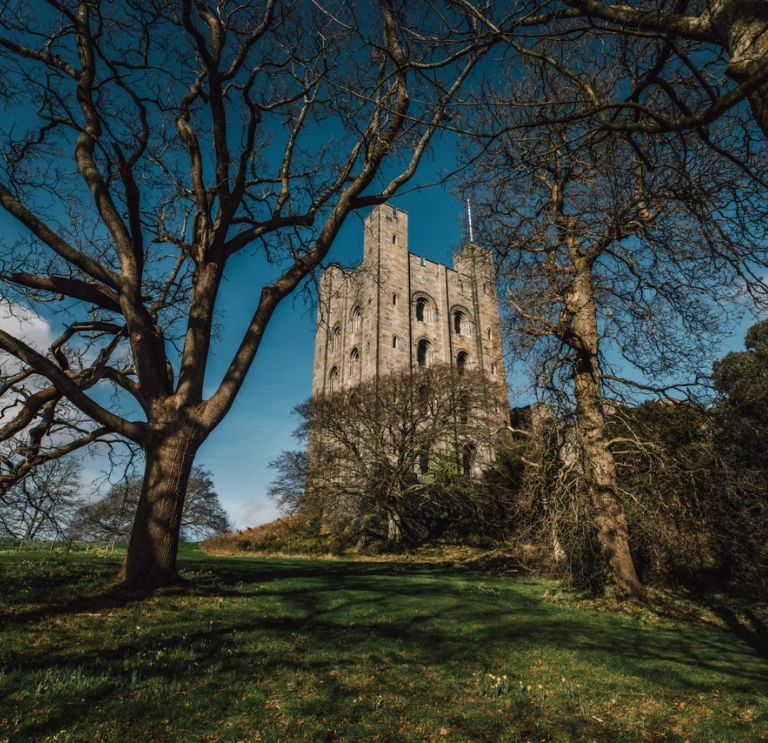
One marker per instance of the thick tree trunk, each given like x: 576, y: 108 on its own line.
x: 742, y: 28
x: 598, y: 461
x: 150, y: 560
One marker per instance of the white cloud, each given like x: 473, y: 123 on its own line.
x: 252, y: 513
x: 22, y: 323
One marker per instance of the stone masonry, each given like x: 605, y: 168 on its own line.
x: 398, y: 310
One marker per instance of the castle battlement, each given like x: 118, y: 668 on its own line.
x: 399, y: 310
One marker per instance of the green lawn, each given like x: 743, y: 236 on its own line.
x: 297, y: 650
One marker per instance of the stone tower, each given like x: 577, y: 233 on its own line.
x: 398, y: 310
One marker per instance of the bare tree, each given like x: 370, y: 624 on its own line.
x: 680, y: 67
x: 378, y: 451
x: 288, y: 488
x: 739, y: 28
x: 158, y: 142
x: 40, y: 504
x: 614, y: 247
x: 110, y: 518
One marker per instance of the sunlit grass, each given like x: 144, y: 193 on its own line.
x: 298, y: 650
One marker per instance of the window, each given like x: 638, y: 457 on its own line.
x: 490, y: 334
x: 394, y: 299
x: 466, y: 460
x: 336, y: 337
x: 422, y: 352
x: 493, y: 369
x: 394, y: 341
x: 461, y: 361
x: 394, y: 239
x: 424, y: 461
x: 357, y: 315
x: 354, y: 362
x: 421, y: 305
x: 458, y: 319
x: 333, y: 379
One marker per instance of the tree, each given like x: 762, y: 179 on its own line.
x: 111, y: 518
x: 288, y: 489
x: 740, y: 437
x: 681, y: 67
x: 40, y: 504
x: 633, y: 245
x: 737, y: 27
x: 161, y: 143
x: 393, y: 454
x: 741, y: 378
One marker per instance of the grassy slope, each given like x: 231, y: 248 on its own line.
x: 298, y: 650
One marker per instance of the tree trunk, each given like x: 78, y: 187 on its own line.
x: 598, y: 461
x: 150, y: 560
x: 395, y: 528
x: 742, y: 28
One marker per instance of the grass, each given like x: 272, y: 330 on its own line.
x: 300, y: 650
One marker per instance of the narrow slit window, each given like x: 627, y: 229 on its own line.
x: 458, y: 319
x: 422, y: 352
x: 461, y: 361
x: 354, y: 361
x: 466, y: 462
x: 424, y: 462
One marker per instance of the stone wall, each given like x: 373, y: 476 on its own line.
x: 372, y: 320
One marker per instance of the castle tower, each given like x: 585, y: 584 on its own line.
x: 398, y: 310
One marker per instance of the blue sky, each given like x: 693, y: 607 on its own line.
x: 259, y: 426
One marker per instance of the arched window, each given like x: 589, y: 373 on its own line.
x: 458, y: 319
x: 394, y: 341
x: 354, y: 362
x: 357, y: 315
x: 424, y: 461
x: 461, y: 361
x: 424, y: 308
x: 333, y: 379
x: 422, y: 353
x: 336, y: 337
x: 466, y: 460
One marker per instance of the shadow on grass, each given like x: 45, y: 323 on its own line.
x: 271, y: 618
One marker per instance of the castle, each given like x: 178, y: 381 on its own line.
x: 400, y: 311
